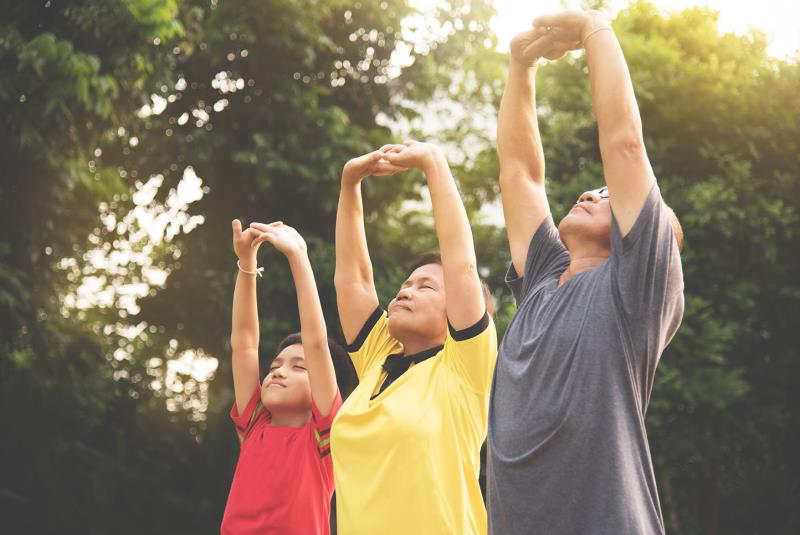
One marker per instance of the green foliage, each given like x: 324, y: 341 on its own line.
x: 266, y: 100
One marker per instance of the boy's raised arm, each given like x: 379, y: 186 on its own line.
x: 244, y: 318
x: 314, y: 334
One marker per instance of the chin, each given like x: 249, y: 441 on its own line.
x: 396, y: 326
x: 295, y: 402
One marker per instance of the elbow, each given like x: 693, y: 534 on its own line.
x: 242, y: 343
x: 343, y: 278
x: 314, y: 345
x: 463, y: 269
x: 627, y: 144
x: 513, y: 175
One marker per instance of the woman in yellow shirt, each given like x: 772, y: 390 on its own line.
x: 406, y: 442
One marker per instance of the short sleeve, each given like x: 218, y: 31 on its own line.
x: 472, y: 353
x: 647, y: 277
x: 373, y: 343
x: 322, y: 425
x: 547, y: 258
x: 252, y: 413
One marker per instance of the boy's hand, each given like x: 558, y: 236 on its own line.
x: 370, y: 164
x: 283, y: 237
x: 411, y: 154
x: 243, y: 244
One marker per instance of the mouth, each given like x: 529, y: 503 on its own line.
x: 397, y: 307
x: 275, y: 384
x: 582, y: 207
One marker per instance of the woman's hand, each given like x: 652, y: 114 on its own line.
x: 411, y: 154
x: 370, y: 164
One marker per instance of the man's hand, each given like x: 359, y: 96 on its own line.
x: 243, y: 244
x: 283, y: 237
x: 540, y: 42
x: 568, y: 30
x: 371, y: 164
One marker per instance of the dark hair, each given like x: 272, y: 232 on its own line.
x: 435, y: 257
x: 345, y: 373
x: 431, y: 257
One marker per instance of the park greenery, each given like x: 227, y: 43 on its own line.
x: 137, y: 129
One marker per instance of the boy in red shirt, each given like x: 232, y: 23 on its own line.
x: 284, y: 478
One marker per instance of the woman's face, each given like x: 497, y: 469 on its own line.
x: 419, y: 308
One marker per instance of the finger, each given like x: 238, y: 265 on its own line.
x: 545, y: 20
x: 531, y: 35
x: 265, y: 237
x: 538, y: 31
x: 262, y: 226
x: 394, y: 147
x: 250, y: 233
x: 388, y: 169
x: 393, y: 158
x: 386, y: 147
x: 538, y: 48
x: 237, y: 227
x: 558, y: 50
x: 410, y: 142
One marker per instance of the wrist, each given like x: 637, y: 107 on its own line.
x: 297, y: 257
x: 595, y: 20
x: 248, y: 263
x: 350, y: 177
x: 520, y: 65
x: 433, y: 157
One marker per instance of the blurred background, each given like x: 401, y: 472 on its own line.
x: 135, y: 130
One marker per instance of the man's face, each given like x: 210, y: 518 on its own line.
x: 286, y: 385
x: 588, y: 220
x: 419, y: 308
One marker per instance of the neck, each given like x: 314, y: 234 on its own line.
x: 289, y: 417
x: 578, y: 265
x: 413, y: 344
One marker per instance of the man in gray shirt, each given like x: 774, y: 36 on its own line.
x: 598, y: 299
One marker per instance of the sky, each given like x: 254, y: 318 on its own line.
x: 778, y: 19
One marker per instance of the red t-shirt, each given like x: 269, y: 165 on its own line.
x: 284, y: 478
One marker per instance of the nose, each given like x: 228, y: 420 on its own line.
x: 403, y: 294
x: 589, y: 196
x: 279, y: 372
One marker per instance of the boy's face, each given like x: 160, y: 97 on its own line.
x: 286, y: 386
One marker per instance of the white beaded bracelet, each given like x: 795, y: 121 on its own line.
x: 258, y: 271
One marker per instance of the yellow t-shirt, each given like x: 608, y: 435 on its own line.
x: 407, y: 462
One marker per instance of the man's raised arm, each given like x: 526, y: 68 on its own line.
x: 627, y: 170
x: 519, y: 148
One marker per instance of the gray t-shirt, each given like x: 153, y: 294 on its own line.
x: 568, y: 451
